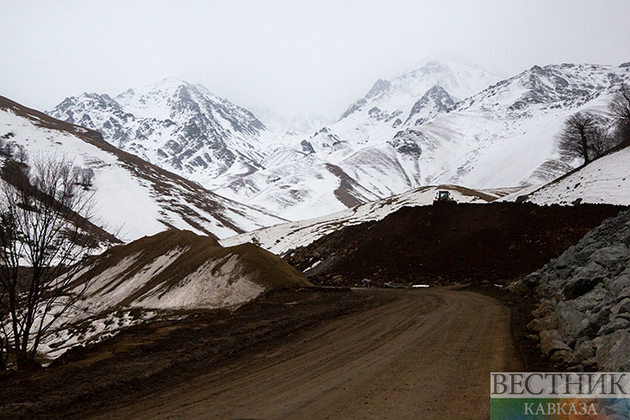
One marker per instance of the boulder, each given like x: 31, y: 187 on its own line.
x: 585, y: 279
x: 545, y: 307
x: 614, y: 353
x: 618, y: 284
x: 611, y: 257
x: 552, y: 341
x: 600, y: 318
x: 592, y: 299
x: 584, y: 255
x: 622, y: 307
x: 616, y: 323
x: 582, y: 352
x: 571, y: 322
x: 566, y: 259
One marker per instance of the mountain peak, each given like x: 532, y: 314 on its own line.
x: 381, y: 86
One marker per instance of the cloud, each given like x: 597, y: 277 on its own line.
x: 291, y: 56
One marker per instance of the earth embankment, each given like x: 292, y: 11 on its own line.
x: 448, y: 244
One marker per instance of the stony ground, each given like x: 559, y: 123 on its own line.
x: 582, y: 321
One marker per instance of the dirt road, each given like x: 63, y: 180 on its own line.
x: 426, y: 354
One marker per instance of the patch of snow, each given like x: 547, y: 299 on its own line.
x: 214, y: 284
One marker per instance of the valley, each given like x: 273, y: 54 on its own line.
x: 240, y: 273
x: 327, y: 351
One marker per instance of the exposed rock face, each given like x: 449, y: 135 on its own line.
x: 435, y: 100
x: 181, y: 127
x: 584, y: 309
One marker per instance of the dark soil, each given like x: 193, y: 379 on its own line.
x: 145, y: 359
x: 449, y: 244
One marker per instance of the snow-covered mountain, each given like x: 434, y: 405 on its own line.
x: 440, y: 123
x: 358, y: 158
x: 410, y: 99
x: 133, y: 197
x: 180, y: 127
x: 414, y: 130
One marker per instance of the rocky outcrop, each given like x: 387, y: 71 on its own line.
x: 583, y: 316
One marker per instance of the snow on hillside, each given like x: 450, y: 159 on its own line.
x: 506, y: 134
x: 133, y: 198
x: 605, y: 180
x: 157, y: 275
x: 283, y: 237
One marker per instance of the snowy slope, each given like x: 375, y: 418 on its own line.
x: 283, y: 237
x: 506, y: 134
x: 605, y: 180
x: 133, y: 197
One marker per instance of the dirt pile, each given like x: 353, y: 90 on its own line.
x: 447, y: 244
x: 162, y: 275
x: 181, y: 270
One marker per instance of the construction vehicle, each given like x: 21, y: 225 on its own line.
x: 444, y: 197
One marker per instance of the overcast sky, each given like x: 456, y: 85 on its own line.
x: 292, y: 56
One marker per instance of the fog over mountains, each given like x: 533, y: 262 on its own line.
x: 441, y: 123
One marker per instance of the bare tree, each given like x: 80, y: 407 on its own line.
x: 84, y: 176
x: 4, y: 336
x: 620, y: 109
x: 44, y: 214
x: 602, y: 139
x: 582, y: 136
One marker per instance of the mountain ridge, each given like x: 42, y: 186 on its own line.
x: 442, y: 123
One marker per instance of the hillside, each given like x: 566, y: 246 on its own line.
x: 133, y: 197
x: 605, y: 180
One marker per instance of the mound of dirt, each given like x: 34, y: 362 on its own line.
x: 181, y: 270
x: 447, y: 244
